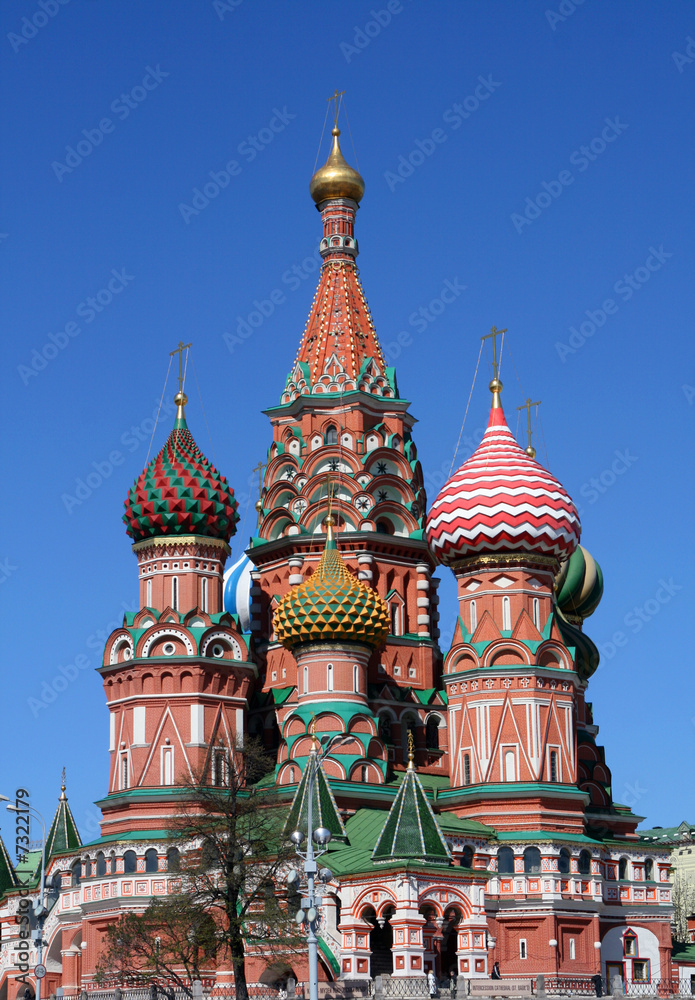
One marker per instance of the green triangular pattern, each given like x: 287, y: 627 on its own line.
x: 8, y: 879
x: 411, y: 830
x: 63, y: 835
x: 324, y: 808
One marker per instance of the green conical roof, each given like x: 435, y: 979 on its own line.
x: 63, y: 835
x: 8, y: 879
x: 411, y: 831
x: 324, y: 810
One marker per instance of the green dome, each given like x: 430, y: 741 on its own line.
x: 579, y: 586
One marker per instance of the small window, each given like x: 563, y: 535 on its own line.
x: 649, y: 870
x: 175, y: 592
x: 466, y: 769
x: 385, y: 729
x: 467, y: 857
x: 506, y: 614
x: 563, y: 862
x: 505, y: 861
x: 623, y: 870
x: 629, y: 945
x: 537, y: 613
x: 292, y: 778
x: 148, y: 593
x: 219, y: 768
x: 432, y: 733
x: 168, y: 766
x: 553, y: 765
x: 151, y: 860
x: 101, y: 864
x: 474, y: 616
x: 331, y: 435
x: 395, y: 611
x: 173, y: 859
x: 532, y: 861
x: 584, y: 863
x: 130, y: 863
x: 522, y: 948
x: 329, y: 678
x: 509, y: 765
x: 76, y: 873
x: 204, y: 593
x: 573, y: 949
x: 356, y: 678
x: 124, y: 771
x: 640, y: 971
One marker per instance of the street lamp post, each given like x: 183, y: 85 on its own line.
x: 322, y: 837
x: 40, y: 911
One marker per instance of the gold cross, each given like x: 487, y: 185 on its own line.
x: 179, y: 350
x: 494, y: 334
x: 335, y: 97
x: 527, y: 406
x: 259, y: 505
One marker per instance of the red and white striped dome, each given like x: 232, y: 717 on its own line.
x: 501, y: 500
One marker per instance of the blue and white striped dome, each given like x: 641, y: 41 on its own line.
x: 237, y: 587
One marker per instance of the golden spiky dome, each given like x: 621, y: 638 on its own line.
x: 331, y: 606
x: 336, y: 178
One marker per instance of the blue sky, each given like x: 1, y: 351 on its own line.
x: 538, y: 159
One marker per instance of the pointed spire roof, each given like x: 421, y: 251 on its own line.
x: 411, y: 831
x: 63, y: 835
x: 324, y: 810
x: 8, y: 878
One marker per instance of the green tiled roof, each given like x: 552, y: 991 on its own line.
x: 8, y: 879
x: 323, y: 806
x: 63, y: 835
x: 411, y: 829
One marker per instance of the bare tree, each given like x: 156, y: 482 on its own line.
x: 683, y: 898
x: 233, y: 855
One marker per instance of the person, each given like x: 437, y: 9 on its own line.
x: 495, y: 974
x: 432, y: 983
x: 598, y: 984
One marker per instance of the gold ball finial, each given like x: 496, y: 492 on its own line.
x: 496, y: 385
x: 259, y: 506
x: 530, y: 451
x: 330, y: 521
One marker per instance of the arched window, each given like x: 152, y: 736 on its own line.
x: 467, y: 857
x: 167, y: 765
x: 649, y: 870
x: 148, y: 593
x: 553, y: 765
x: 101, y: 864
x: 584, y: 864
x: 385, y: 729
x: 356, y: 678
x: 395, y: 612
x: 329, y: 678
x: 151, y: 860
x: 76, y: 873
x: 130, y: 863
x: 466, y: 769
x: 306, y: 680
x: 474, y: 616
x: 124, y: 771
x: 537, y: 613
x: 112, y: 858
x: 563, y: 862
x: 220, y: 767
x: 204, y: 593
x: 532, y: 861
x: 384, y: 527
x: 623, y: 869
x: 505, y: 861
x: 432, y: 733
x: 509, y: 765
x: 175, y: 592
x: 506, y: 614
x: 331, y: 435
x: 173, y: 859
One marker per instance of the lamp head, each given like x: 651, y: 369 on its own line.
x: 322, y: 835
x: 297, y: 837
x: 326, y: 875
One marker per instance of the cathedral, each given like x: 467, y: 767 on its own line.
x: 471, y: 810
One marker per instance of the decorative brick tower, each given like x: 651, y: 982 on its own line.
x: 342, y: 429
x: 177, y: 674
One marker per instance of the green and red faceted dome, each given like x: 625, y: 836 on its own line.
x: 502, y: 501
x: 180, y: 492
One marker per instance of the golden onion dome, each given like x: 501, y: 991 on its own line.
x: 331, y: 606
x: 336, y: 178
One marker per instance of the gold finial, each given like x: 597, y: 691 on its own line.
x: 411, y: 750
x: 179, y: 350
x: 180, y: 399
x: 63, y: 796
x: 259, y: 503
x: 312, y: 733
x: 495, y: 384
x: 530, y: 450
x: 334, y: 97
